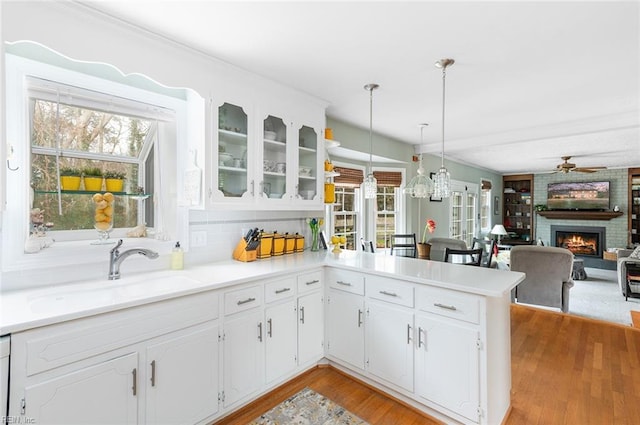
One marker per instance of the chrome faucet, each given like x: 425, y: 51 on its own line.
x: 116, y: 258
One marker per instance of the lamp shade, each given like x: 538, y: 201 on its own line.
x: 499, y: 230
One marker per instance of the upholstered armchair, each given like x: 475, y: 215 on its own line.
x: 623, y: 259
x: 548, y: 271
x: 439, y: 244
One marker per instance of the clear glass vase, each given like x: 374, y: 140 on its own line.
x: 315, y: 245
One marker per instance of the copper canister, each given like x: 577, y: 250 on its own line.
x: 299, y: 243
x: 278, y: 244
x: 289, y: 243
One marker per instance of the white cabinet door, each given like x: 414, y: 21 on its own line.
x: 390, y: 343
x: 447, y: 364
x: 243, y: 370
x: 280, y: 342
x: 310, y: 328
x: 345, y: 327
x: 182, y: 372
x: 105, y: 393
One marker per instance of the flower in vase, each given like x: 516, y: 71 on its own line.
x: 429, y: 227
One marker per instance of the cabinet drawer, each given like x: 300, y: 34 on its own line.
x: 449, y: 303
x: 279, y: 289
x: 309, y: 281
x: 346, y: 280
x: 242, y: 299
x: 389, y: 290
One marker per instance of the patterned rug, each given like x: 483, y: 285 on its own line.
x: 308, y: 408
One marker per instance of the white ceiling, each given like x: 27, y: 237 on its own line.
x: 533, y: 81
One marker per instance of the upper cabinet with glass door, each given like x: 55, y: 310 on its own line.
x: 233, y: 152
x: 309, y: 175
x: 274, y: 159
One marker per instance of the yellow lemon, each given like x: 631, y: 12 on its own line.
x: 335, y: 239
x: 108, y: 211
x: 108, y: 196
x: 103, y: 226
x: 99, y: 217
x: 343, y: 239
x: 97, y: 197
x: 102, y: 204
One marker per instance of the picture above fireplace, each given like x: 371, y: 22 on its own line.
x: 579, y: 196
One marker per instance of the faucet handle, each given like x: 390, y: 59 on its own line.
x: 115, y: 248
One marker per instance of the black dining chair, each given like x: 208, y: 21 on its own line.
x: 489, y: 249
x: 367, y: 246
x: 468, y: 257
x: 404, y: 245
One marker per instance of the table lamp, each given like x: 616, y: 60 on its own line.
x: 499, y: 230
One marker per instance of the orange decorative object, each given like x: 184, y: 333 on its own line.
x: 328, y: 133
x: 329, y: 193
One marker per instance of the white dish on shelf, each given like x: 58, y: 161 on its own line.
x: 304, y: 171
x: 225, y: 158
x: 270, y: 135
x: 307, y: 194
x: 275, y: 195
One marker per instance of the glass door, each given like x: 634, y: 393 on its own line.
x: 274, y: 158
x: 232, y: 151
x: 307, y: 175
x: 463, y: 212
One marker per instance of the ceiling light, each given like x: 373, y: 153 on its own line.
x: 370, y: 185
x: 420, y: 186
x: 442, y: 179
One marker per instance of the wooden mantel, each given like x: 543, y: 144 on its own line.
x: 580, y: 215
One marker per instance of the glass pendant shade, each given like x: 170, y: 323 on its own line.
x: 442, y: 184
x: 420, y: 186
x: 370, y: 187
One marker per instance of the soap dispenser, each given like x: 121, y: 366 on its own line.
x: 177, y: 257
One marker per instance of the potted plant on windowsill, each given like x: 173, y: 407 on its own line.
x: 114, y: 181
x: 70, y: 178
x: 92, y: 179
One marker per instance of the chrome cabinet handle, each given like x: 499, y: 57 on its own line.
x: 408, y: 333
x: 280, y: 291
x: 419, y: 337
x: 391, y: 294
x: 260, y: 331
x: 134, y: 388
x: 339, y: 282
x: 248, y: 300
x: 312, y: 282
x: 270, y: 328
x: 359, y: 318
x: 447, y: 307
x: 253, y: 192
x: 302, y: 315
x: 153, y: 373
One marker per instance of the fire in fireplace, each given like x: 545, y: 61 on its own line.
x: 581, y: 240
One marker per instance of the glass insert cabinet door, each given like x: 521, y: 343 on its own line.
x: 274, y: 158
x: 307, y: 173
x: 233, y: 149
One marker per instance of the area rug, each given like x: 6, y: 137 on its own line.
x: 308, y: 408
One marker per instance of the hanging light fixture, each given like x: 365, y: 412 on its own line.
x: 370, y: 185
x: 420, y: 186
x: 442, y: 179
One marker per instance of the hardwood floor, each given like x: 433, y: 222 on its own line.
x: 566, y: 370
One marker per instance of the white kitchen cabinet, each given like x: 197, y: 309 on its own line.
x: 182, y: 384
x: 280, y: 340
x: 345, y: 327
x: 448, y: 364
x: 389, y: 343
x: 104, y: 393
x: 310, y: 318
x: 243, y: 361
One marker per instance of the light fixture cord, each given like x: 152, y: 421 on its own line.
x: 443, y: 84
x: 371, y: 130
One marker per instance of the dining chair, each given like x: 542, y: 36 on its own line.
x: 404, y: 245
x: 468, y: 257
x: 367, y: 246
x: 489, y: 249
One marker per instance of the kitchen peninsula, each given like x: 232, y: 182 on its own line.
x: 431, y: 334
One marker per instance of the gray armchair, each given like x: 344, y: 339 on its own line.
x: 548, y: 271
x: 439, y: 244
x: 623, y: 259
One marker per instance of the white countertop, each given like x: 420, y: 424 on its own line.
x: 22, y: 310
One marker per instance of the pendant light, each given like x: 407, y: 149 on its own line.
x: 442, y: 179
x: 370, y: 185
x: 420, y: 186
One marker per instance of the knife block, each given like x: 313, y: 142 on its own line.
x: 240, y: 253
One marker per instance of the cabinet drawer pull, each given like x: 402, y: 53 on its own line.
x: 339, y: 282
x: 408, y: 333
x: 280, y: 291
x: 260, y: 331
x: 248, y: 300
x: 134, y: 388
x: 270, y: 328
x: 153, y: 373
x: 302, y: 315
x: 312, y: 282
x: 359, y: 318
x: 391, y: 294
x: 419, y: 337
x: 448, y: 307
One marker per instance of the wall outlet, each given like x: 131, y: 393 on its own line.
x: 198, y: 238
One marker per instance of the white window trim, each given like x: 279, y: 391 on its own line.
x: 464, y: 187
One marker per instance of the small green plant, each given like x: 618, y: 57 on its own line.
x: 92, y: 172
x: 70, y: 171
x: 114, y: 175
x: 540, y: 207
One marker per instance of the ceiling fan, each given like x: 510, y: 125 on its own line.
x: 567, y: 167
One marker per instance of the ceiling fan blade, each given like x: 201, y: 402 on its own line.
x: 587, y: 170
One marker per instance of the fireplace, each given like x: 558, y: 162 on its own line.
x: 586, y: 241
